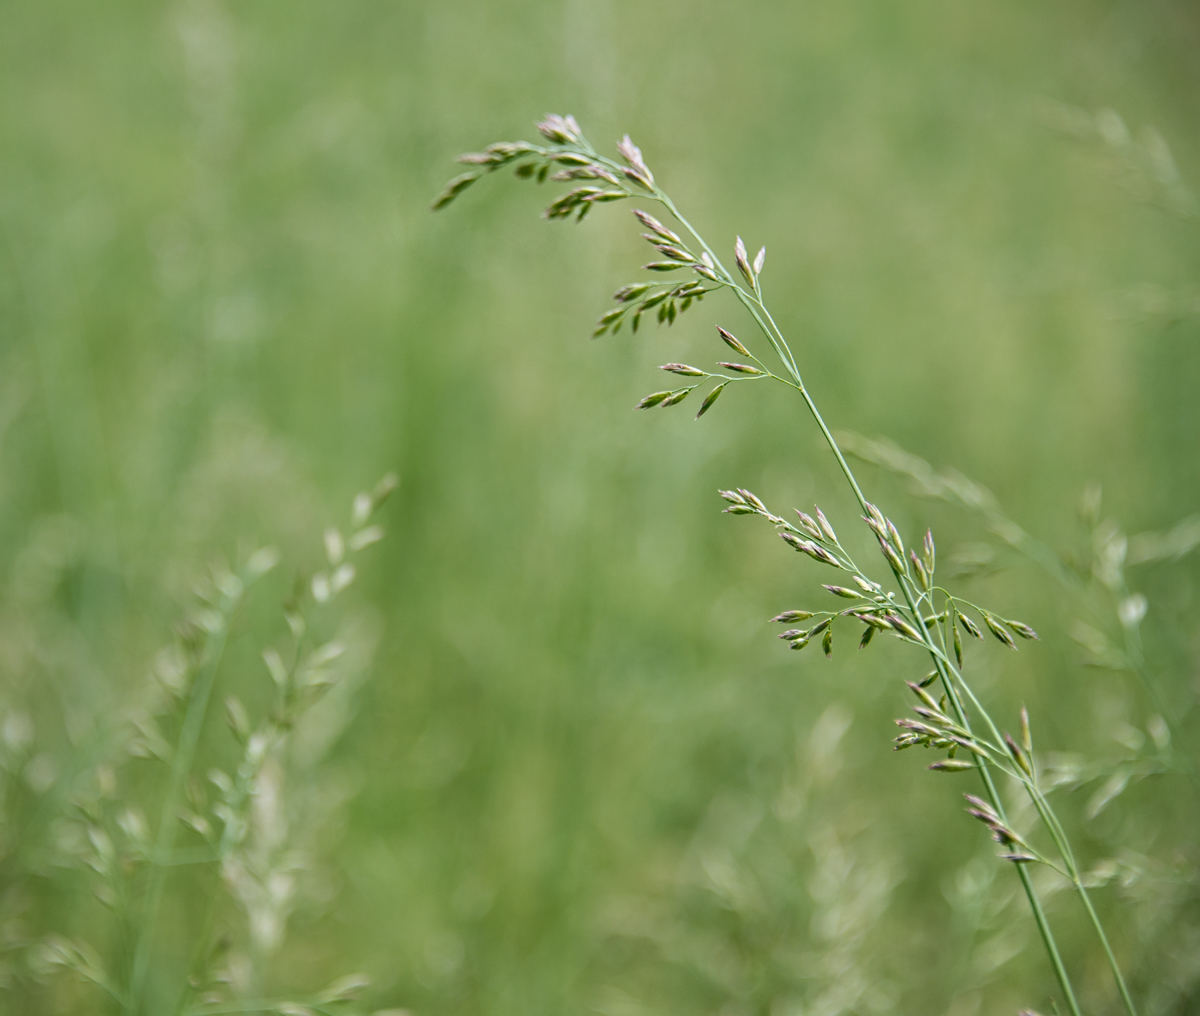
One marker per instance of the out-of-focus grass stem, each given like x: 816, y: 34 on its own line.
x: 189, y: 737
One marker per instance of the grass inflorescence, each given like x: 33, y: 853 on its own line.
x: 900, y: 594
x: 236, y: 829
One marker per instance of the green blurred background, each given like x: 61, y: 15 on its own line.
x: 582, y: 776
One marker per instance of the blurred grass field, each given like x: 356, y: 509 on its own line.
x: 582, y: 776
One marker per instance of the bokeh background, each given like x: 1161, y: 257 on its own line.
x: 577, y: 774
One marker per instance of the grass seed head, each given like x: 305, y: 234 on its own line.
x: 454, y: 188
x: 789, y: 616
x: 894, y: 559
x: 752, y: 499
x: 1023, y: 630
x: 563, y: 130
x: 808, y: 524
x: 922, y: 694
x: 997, y: 629
x: 817, y: 553
x: 1018, y: 755
x: 743, y: 264
x: 732, y: 341
x: 710, y: 398
x: 919, y: 568
x: 842, y: 591
x: 631, y: 292
x: 652, y: 400
x: 826, y: 528
x: 656, y: 227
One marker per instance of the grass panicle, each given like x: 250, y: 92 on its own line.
x: 901, y: 594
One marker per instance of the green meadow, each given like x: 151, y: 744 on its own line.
x: 566, y: 767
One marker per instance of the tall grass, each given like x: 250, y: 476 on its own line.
x: 233, y: 840
x: 581, y: 776
x: 910, y: 604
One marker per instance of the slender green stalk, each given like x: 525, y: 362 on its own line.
x: 779, y: 343
x: 168, y: 826
x: 771, y: 330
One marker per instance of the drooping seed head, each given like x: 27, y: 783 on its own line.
x: 732, y: 496
x: 999, y: 630
x: 684, y: 369
x: 827, y: 643
x: 1023, y: 630
x: 655, y: 399
x: 867, y: 635
x: 740, y: 368
x: 970, y: 626
x: 710, y: 398
x: 453, y: 189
